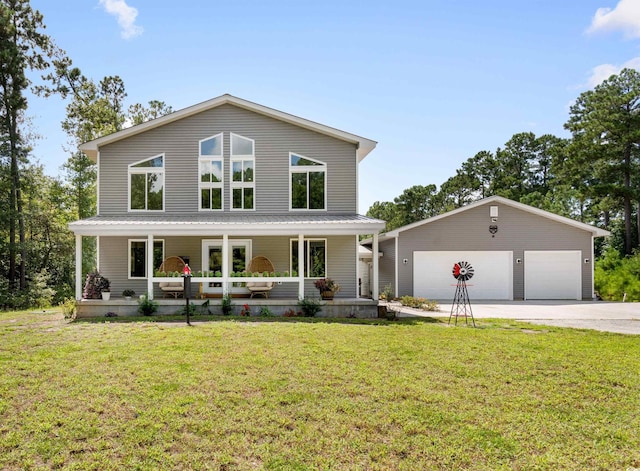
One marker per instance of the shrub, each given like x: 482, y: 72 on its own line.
x: 146, y: 306
x: 387, y: 293
x: 94, y: 285
x: 246, y: 310
x: 291, y: 313
x: 183, y: 311
x: 419, y: 303
x: 309, y: 306
x: 265, y: 312
x: 128, y: 292
x: 615, y: 275
x: 69, y: 308
x: 227, y: 305
x: 204, y: 307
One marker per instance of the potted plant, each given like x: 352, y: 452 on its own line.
x: 105, y: 288
x: 127, y: 293
x: 96, y: 286
x: 327, y: 287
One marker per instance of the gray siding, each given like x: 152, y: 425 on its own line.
x: 469, y: 230
x: 386, y: 265
x: 341, y: 261
x: 274, y: 140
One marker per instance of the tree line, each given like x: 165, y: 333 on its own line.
x: 36, y: 247
x: 593, y: 176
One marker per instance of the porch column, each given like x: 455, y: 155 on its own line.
x: 150, y: 272
x: 78, y: 267
x: 225, y: 264
x: 300, y: 266
x: 375, y: 288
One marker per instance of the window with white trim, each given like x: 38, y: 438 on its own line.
x: 211, y: 181
x: 146, y: 184
x: 315, y: 257
x: 242, y: 172
x: 138, y: 257
x: 307, y: 183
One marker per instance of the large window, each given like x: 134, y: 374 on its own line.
x: 315, y: 257
x: 138, y: 257
x: 308, y: 182
x: 146, y: 184
x: 211, y: 179
x: 242, y: 172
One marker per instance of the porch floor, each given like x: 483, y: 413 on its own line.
x: 338, y: 307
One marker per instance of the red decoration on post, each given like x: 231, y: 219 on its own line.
x: 187, y: 270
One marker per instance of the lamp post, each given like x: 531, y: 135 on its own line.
x: 186, y: 276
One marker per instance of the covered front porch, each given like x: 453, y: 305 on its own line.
x: 218, y: 251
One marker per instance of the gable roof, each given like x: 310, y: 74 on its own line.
x: 364, y: 145
x: 595, y: 231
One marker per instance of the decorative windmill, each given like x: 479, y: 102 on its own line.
x: 461, y: 307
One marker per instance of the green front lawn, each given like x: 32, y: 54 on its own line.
x: 296, y: 394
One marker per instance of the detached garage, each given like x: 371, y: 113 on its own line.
x: 516, y: 251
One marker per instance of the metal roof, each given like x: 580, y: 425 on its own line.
x: 200, y: 224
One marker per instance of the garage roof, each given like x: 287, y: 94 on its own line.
x: 595, y: 231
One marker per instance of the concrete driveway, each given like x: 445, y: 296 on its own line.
x: 598, y: 315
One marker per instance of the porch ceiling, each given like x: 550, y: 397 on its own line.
x: 229, y: 224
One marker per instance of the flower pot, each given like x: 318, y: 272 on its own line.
x: 128, y: 298
x: 106, y: 295
x: 326, y: 294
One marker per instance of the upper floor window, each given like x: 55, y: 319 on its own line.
x: 308, y: 183
x: 211, y: 179
x: 242, y: 172
x: 146, y: 184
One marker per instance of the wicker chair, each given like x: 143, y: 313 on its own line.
x: 172, y: 288
x: 260, y: 264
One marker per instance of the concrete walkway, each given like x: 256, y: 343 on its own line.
x: 598, y: 315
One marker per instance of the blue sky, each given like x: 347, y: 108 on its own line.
x: 433, y: 81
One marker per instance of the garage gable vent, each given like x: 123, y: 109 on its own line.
x: 493, y: 211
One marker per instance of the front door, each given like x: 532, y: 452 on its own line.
x: 239, y: 257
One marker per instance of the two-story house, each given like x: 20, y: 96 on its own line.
x: 219, y: 183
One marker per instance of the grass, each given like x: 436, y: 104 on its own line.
x: 308, y: 394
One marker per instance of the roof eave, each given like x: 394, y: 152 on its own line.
x: 133, y: 229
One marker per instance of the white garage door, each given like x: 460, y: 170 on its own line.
x: 492, y: 279
x: 555, y: 274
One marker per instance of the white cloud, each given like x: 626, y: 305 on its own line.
x: 624, y: 17
x: 603, y: 71
x: 126, y: 16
